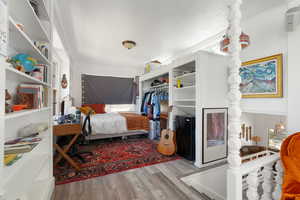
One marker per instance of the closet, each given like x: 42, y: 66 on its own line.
x: 154, y: 101
x: 196, y: 81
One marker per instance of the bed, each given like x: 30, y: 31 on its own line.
x: 109, y: 125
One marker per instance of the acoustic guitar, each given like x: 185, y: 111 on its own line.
x: 167, y: 144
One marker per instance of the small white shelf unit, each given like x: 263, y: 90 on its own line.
x: 184, y: 97
x: 30, y: 177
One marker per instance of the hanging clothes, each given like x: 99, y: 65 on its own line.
x: 151, y: 103
x: 147, y: 101
x: 143, y: 102
x: 155, y: 102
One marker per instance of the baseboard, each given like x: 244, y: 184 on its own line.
x: 200, y: 165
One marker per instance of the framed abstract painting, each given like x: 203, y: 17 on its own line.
x: 262, y: 78
x: 215, y: 134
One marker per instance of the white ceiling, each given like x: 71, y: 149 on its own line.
x: 94, y: 29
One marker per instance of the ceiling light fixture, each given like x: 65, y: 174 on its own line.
x: 128, y: 44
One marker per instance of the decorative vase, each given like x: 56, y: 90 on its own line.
x: 64, y: 82
x: 7, y: 106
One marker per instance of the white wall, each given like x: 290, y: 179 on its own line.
x: 212, y: 88
x: 63, y: 61
x: 95, y: 69
x: 294, y: 80
x: 260, y: 124
x: 268, y: 37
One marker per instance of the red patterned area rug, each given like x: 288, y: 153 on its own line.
x: 110, y: 158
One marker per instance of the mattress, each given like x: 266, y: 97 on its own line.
x: 118, y: 123
x: 136, y: 121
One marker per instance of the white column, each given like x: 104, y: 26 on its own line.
x: 234, y: 177
x: 234, y: 81
x: 278, y: 180
x: 252, y: 181
x: 268, y: 182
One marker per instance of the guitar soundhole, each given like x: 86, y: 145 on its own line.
x: 167, y: 136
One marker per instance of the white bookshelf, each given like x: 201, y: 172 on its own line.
x: 12, y: 73
x: 23, y: 13
x: 21, y: 42
x: 22, y: 113
x: 30, y: 177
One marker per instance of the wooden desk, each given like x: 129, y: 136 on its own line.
x: 66, y: 130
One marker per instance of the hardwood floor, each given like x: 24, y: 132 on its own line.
x: 161, y: 181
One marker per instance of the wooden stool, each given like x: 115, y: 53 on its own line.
x: 66, y: 130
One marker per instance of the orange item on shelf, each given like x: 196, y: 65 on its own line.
x: 18, y: 107
x: 290, y: 157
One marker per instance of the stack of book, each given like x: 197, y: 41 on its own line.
x: 33, y: 96
x: 44, y: 71
x: 14, y: 149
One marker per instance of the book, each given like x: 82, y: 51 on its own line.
x: 10, y: 159
x: 27, y: 99
x: 33, y: 138
x: 32, y: 95
x: 19, y: 149
x: 43, y: 69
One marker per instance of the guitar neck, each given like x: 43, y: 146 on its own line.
x: 170, y: 108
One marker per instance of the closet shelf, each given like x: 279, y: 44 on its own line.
x: 15, y: 74
x: 24, y: 113
x: 24, y: 14
x: 185, y: 88
x: 188, y: 75
x: 20, y: 41
x: 165, y: 85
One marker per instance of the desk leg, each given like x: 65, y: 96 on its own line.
x: 66, y: 149
x: 61, y: 151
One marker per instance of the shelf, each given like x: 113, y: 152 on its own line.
x: 24, y: 14
x: 43, y: 12
x: 188, y: 75
x: 165, y: 85
x: 15, y: 74
x: 185, y: 88
x: 35, y: 160
x: 20, y: 41
x: 24, y: 113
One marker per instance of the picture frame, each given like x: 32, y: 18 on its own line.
x: 262, y: 78
x: 214, y: 134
